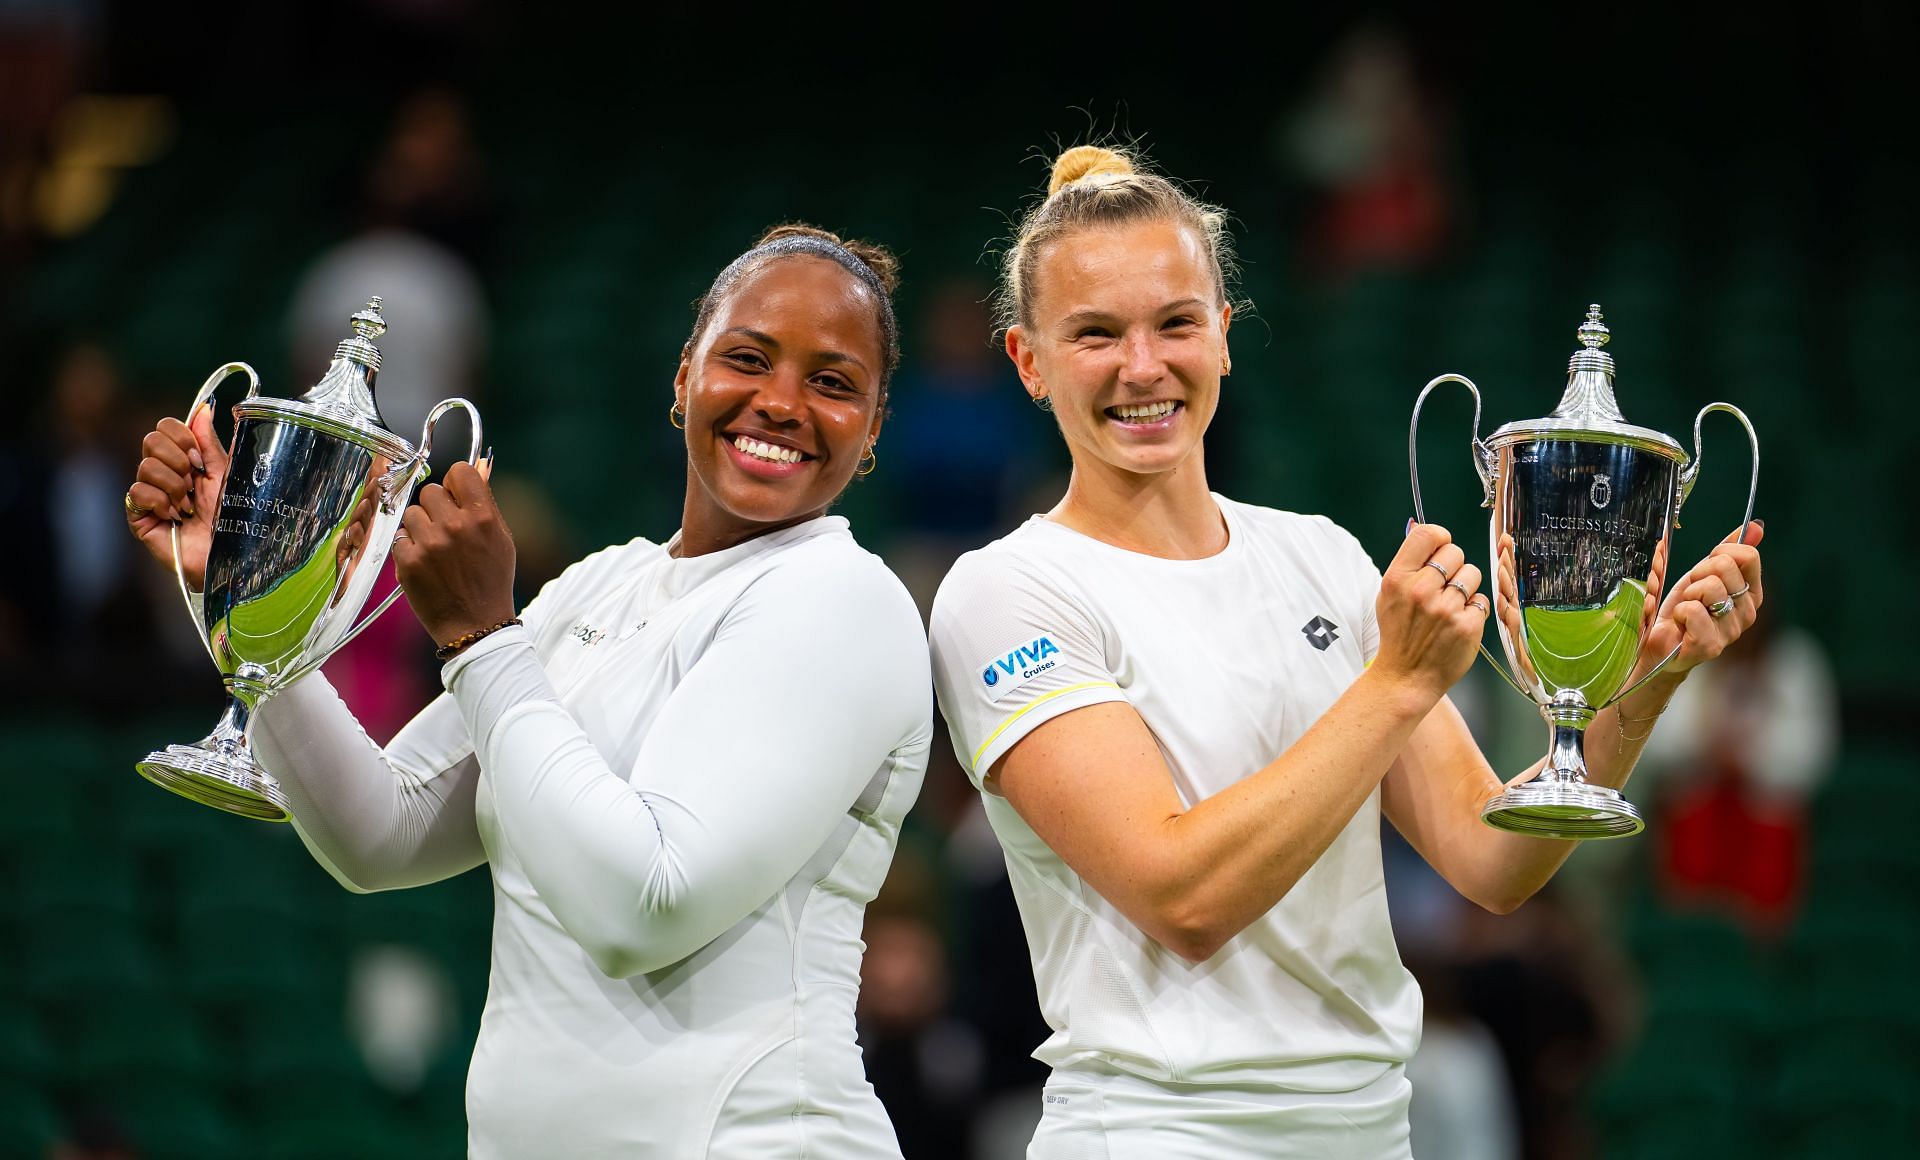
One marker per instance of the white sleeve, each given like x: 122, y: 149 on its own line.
x: 376, y: 819
x: 379, y: 819
x: 813, y: 679
x: 1011, y: 650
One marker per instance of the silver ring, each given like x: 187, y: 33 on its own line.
x: 1720, y: 608
x: 1743, y: 591
x: 1464, y: 594
x: 1444, y: 574
x: 400, y: 535
x: 1480, y: 602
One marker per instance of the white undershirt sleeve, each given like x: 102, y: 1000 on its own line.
x: 377, y: 820
x: 810, y: 682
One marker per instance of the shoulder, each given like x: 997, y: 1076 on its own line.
x: 598, y: 569
x: 837, y: 583
x: 1024, y: 567
x: 1316, y: 539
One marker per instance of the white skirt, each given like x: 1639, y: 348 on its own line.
x: 1113, y: 1116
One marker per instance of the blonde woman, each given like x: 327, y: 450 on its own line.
x: 1187, y: 714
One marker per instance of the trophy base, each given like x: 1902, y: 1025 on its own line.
x: 1573, y: 811
x: 225, y: 781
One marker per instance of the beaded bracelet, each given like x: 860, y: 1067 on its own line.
x: 453, y: 648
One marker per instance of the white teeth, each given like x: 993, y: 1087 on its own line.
x: 1146, y: 411
x: 767, y: 451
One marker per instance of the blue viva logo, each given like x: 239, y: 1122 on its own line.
x: 1024, y: 660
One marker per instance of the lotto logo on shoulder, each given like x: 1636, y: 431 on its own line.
x: 1018, y: 665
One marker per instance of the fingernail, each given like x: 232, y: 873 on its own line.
x: 199, y: 464
x: 187, y: 511
x: 1761, y: 524
x: 1409, y: 528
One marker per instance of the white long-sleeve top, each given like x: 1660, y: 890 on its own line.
x: 687, y: 777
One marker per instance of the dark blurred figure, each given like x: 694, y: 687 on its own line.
x: 1463, y: 1098
x: 73, y: 607
x: 1549, y: 989
x: 924, y: 1064
x: 1738, y: 754
x: 43, y: 53
x: 963, y: 444
x: 1371, y: 144
x: 422, y: 221
x: 94, y: 1134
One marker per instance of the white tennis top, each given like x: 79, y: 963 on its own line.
x: 687, y: 777
x: 1228, y: 659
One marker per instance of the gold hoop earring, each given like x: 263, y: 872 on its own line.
x: 867, y: 462
x: 677, y: 417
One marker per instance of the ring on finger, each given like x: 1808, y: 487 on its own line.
x: 1720, y: 608
x: 1464, y: 594
x: 1480, y: 602
x: 134, y: 509
x: 1744, y: 589
x: 1444, y: 574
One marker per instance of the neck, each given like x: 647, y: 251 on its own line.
x: 1169, y: 514
x: 704, y: 529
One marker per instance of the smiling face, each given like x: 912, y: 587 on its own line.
x: 782, y: 396
x: 1128, y: 339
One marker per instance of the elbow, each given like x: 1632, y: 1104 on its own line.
x: 626, y: 958
x: 1193, y: 932
x: 1501, y: 901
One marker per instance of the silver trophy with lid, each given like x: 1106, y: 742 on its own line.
x: 1584, y: 506
x: 314, y: 493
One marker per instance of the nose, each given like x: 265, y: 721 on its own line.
x: 779, y: 399
x: 1142, y: 363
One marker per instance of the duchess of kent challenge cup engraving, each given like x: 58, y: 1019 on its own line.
x: 314, y: 493
x: 1584, y: 506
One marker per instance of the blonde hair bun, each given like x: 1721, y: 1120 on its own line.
x: 1086, y: 161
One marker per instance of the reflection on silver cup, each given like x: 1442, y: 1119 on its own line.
x: 1584, y: 506
x: 314, y: 493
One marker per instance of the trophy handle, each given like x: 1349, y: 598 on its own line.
x: 399, y: 481
x: 1689, y: 475
x: 200, y: 400
x: 1482, y: 463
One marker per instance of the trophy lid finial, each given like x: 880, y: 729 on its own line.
x: 1593, y: 333
x: 367, y: 322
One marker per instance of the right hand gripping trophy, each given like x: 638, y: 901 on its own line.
x: 1584, y: 506
x: 314, y: 493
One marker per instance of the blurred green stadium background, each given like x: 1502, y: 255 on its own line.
x: 1728, y: 193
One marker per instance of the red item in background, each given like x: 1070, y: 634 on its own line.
x: 1722, y: 843
x: 380, y: 674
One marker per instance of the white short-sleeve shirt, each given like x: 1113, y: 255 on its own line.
x: 1229, y: 660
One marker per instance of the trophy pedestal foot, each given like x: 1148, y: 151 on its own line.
x: 1574, y: 811
x: 229, y: 781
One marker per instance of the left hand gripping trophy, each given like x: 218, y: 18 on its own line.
x: 314, y: 493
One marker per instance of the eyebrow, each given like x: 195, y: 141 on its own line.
x: 767, y: 340
x: 1090, y: 315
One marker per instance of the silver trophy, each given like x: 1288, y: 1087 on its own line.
x: 314, y: 493
x: 1584, y: 506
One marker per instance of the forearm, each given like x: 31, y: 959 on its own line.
x: 1234, y: 855
x: 642, y: 867
x: 1505, y: 869
x: 377, y: 820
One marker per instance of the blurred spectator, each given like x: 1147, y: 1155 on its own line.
x: 924, y: 1064
x: 77, y: 611
x: 424, y: 203
x: 1738, y: 753
x: 1462, y: 1096
x: 1548, y: 988
x: 1372, y: 144
x: 963, y: 442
